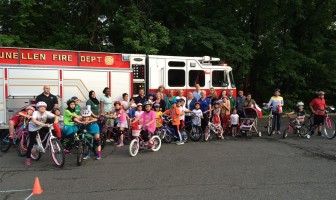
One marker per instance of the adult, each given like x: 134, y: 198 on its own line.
x: 197, y: 93
x: 318, y: 106
x: 277, y: 103
x: 190, y: 101
x: 232, y: 101
x: 106, y: 109
x: 93, y: 104
x: 249, y: 102
x: 161, y: 90
x: 212, y: 95
x: 205, y: 104
x: 48, y: 98
x: 239, y: 103
x: 180, y: 95
x: 141, y: 98
x: 169, y: 99
x: 159, y: 100
x: 222, y: 95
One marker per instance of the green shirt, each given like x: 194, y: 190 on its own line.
x: 78, y: 109
x: 67, y: 117
x: 94, y: 107
x: 232, y: 103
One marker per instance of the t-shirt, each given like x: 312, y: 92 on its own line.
x: 239, y: 103
x: 94, y: 107
x: 41, y: 117
x: 146, y: 118
x: 107, y: 103
x: 137, y: 114
x: 174, y: 113
x: 126, y: 105
x: 318, y: 106
x: 77, y: 109
x: 17, y: 119
x: 300, y: 113
x: 197, y: 95
x: 204, y: 104
x: 234, y: 119
x: 50, y: 100
x: 198, y: 115
x: 232, y: 102
x: 140, y: 99
x: 158, y: 119
x: 275, y: 102
x: 182, y: 109
x: 67, y: 117
x: 215, y: 117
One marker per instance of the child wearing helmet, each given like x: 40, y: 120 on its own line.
x: 139, y: 112
x: 121, y: 116
x: 198, y: 114
x: 216, y: 118
x: 20, y: 119
x: 90, y: 125
x: 174, y: 113
x: 158, y: 115
x: 300, y: 114
x: 70, y: 128
x: 37, y: 122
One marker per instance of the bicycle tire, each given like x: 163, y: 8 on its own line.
x: 80, y: 152
x: 329, y: 128
x: 58, y: 155
x: 103, y: 141
x: 285, y: 133
x: 304, y: 132
x: 269, y: 126
x: 35, y: 154
x: 184, y: 136
x: 167, y: 136
x: 206, y: 134
x: 195, y: 133
x: 5, y: 142
x: 134, y: 147
x: 157, y: 143
x: 22, y: 145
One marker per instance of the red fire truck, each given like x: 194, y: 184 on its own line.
x: 24, y: 71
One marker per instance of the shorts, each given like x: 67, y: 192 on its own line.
x: 92, y: 128
x: 109, y: 122
x: 70, y: 129
x: 16, y: 120
x: 122, y: 125
x: 318, y: 119
x: 234, y: 125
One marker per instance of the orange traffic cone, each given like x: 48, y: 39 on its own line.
x: 37, y: 187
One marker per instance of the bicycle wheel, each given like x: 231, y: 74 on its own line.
x: 286, y: 132
x: 195, y: 133
x: 206, y: 133
x: 167, y: 137
x: 157, y: 143
x: 5, y: 142
x: 80, y: 152
x: 184, y: 136
x: 103, y: 140
x: 57, y: 152
x: 269, y: 127
x: 304, y: 132
x: 134, y: 147
x: 35, y: 154
x: 22, y: 145
x: 329, y: 128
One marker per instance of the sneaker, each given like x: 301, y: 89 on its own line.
x: 273, y: 132
x: 66, y: 151
x: 87, y: 157
x: 108, y: 140
x: 98, y: 158
x: 28, y: 162
x: 120, y: 145
x: 221, y: 137
x: 279, y: 133
x: 179, y: 142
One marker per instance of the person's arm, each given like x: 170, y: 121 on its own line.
x: 101, y: 103
x: 24, y: 115
x: 55, y: 102
x: 34, y: 120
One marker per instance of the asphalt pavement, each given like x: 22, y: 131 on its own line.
x: 268, y: 167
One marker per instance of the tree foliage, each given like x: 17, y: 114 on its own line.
x: 287, y: 44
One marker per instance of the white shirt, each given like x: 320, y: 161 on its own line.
x: 41, y: 118
x: 234, y: 119
x: 182, y: 117
x: 197, y: 119
x: 138, y: 114
x: 125, y: 105
x: 107, y: 103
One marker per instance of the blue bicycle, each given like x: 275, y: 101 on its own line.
x: 168, y: 133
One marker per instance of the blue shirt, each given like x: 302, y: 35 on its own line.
x: 204, y: 104
x: 197, y: 95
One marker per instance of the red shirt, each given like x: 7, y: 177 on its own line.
x: 318, y: 106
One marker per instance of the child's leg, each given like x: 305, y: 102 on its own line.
x: 121, y: 137
x: 178, y: 132
x: 32, y: 142
x: 98, y: 143
x: 11, y: 129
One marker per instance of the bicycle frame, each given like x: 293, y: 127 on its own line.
x: 48, y: 137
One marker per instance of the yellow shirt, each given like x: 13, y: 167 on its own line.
x: 158, y: 119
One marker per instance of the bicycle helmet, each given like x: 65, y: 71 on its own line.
x: 217, y: 102
x: 174, y: 101
x: 147, y: 103
x: 300, y: 103
x: 151, y: 94
x: 86, y: 113
x: 320, y: 93
x: 30, y: 108
x: 41, y: 104
x: 156, y: 105
x: 139, y: 104
x: 197, y: 103
x: 117, y: 102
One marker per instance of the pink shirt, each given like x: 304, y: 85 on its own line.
x: 122, y: 114
x: 147, y: 117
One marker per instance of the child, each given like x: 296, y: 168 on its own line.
x: 70, y: 128
x: 151, y: 98
x: 37, y: 122
x: 19, y: 119
x: 179, y: 105
x: 158, y: 114
x: 57, y: 112
x: 174, y: 113
x: 138, y: 113
x: 198, y: 114
x: 120, y: 114
x: 300, y: 114
x: 234, y: 118
x: 131, y: 110
x: 77, y: 107
x: 90, y: 124
x: 216, y: 119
